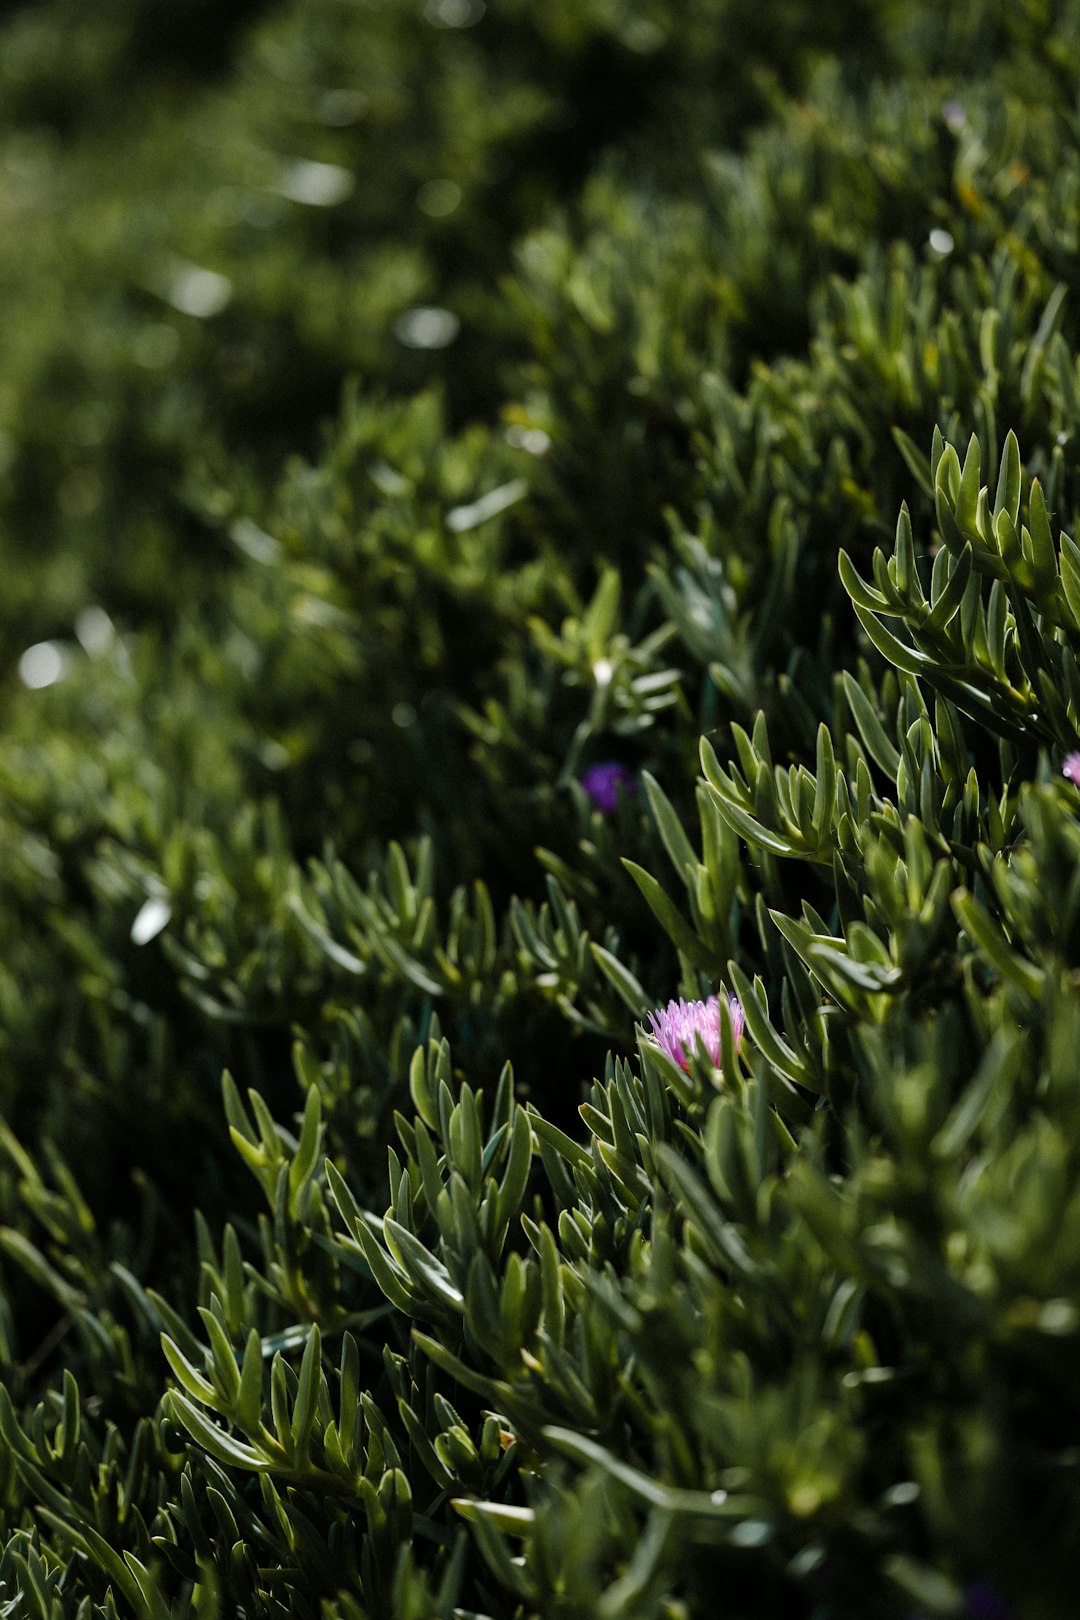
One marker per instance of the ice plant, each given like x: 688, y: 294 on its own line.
x: 1070, y: 767
x: 604, y: 782
x: 679, y: 1026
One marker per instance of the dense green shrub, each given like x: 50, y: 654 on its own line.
x: 402, y: 410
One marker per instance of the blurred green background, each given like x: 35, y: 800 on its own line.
x: 404, y: 405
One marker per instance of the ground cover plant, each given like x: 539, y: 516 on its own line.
x: 539, y: 810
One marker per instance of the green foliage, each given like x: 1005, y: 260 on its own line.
x: 403, y: 409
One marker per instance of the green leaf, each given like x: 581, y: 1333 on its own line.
x: 862, y: 595
x: 402, y: 895
x: 223, y: 1447
x: 97, y: 1549
x: 307, y: 1151
x: 989, y: 939
x: 1070, y: 576
x: 1007, y: 498
x: 346, y: 960
x: 573, y: 1152
x: 248, y: 1406
x: 675, y: 841
x: 917, y: 464
x: 386, y: 1277
x: 947, y: 603
x: 899, y: 653
x: 36, y: 1266
x: 878, y: 746
x: 600, y: 617
x: 669, y: 1498
x: 1036, y: 347
x: 420, y: 1089
x: 429, y: 1274
x: 671, y: 919
x: 223, y: 1360
x: 966, y: 505
x: 1043, y: 555
x: 515, y: 1179
x: 627, y: 987
x: 192, y: 1380
x: 999, y: 1065
x: 460, y: 1370
x: 404, y: 965
x: 307, y: 1393
x: 762, y: 1033
x: 825, y: 785
x: 512, y: 1521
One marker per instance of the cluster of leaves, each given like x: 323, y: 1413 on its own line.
x: 489, y: 1308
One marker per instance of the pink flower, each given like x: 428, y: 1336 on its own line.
x: 677, y: 1028
x: 1071, y: 768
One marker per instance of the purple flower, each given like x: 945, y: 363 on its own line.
x: 985, y: 1602
x: 954, y: 115
x: 603, y: 783
x: 677, y: 1028
x: 1070, y: 767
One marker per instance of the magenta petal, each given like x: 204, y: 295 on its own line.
x: 679, y: 1026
